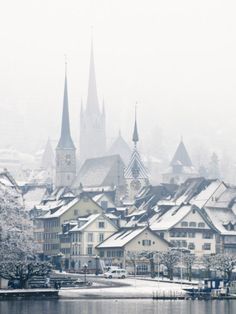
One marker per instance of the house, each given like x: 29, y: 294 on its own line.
x: 115, y: 250
x: 80, y: 238
x: 66, y: 207
x: 185, y: 226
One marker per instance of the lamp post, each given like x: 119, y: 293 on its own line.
x: 97, y: 265
x: 85, y: 267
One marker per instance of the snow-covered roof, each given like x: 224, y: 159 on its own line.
x: 62, y: 209
x: 170, y: 218
x: 99, y: 171
x: 207, y: 194
x: 33, y: 197
x: 220, y: 218
x: 121, y: 238
x: 86, y: 221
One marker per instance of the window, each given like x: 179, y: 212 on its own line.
x: 191, y: 246
x: 101, y: 237
x: 206, y: 246
x: 90, y: 237
x: 146, y: 242
x: 201, y: 225
x: 75, y: 212
x: 184, y: 224
x: 207, y: 235
x: 192, y: 224
x: 102, y: 254
x: 191, y: 234
x: 90, y: 250
x: 101, y: 224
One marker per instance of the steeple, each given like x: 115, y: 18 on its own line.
x: 92, y: 100
x: 181, y: 156
x: 65, y: 139
x: 135, y: 138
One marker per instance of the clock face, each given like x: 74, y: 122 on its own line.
x: 135, y: 185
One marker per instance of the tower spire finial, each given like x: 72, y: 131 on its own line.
x: 135, y: 133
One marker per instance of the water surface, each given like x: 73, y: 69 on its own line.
x: 118, y: 307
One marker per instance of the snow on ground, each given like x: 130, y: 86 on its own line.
x: 135, y: 288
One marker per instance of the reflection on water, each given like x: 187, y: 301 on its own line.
x: 118, y: 307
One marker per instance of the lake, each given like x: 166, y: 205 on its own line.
x: 118, y: 307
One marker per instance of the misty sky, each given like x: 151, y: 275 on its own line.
x: 176, y: 58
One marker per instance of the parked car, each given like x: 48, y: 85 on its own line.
x: 116, y: 273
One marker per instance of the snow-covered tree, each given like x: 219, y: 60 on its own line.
x: 224, y: 263
x: 16, y: 230
x: 170, y: 259
x: 23, y: 271
x: 17, y: 258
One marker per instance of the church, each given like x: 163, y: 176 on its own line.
x: 92, y: 145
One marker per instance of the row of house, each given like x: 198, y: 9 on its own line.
x: 198, y: 216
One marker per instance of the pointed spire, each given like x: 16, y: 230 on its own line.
x: 92, y: 100
x: 135, y: 138
x: 181, y: 156
x: 65, y: 139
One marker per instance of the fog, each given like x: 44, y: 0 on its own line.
x: 175, y: 58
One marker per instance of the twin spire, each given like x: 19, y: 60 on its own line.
x: 92, y: 100
x: 65, y: 139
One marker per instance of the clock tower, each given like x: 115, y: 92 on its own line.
x: 136, y: 175
x: 65, y: 151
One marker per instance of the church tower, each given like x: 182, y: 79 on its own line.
x: 65, y: 150
x: 92, y: 120
x: 180, y: 168
x: 136, y: 175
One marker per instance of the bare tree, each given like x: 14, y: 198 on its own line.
x: 170, y: 259
x: 208, y: 264
x: 150, y: 257
x: 189, y: 260
x: 133, y: 257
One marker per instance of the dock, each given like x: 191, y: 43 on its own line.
x: 20, y: 294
